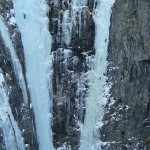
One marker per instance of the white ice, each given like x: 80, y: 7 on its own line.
x: 66, y: 27
x: 79, y: 3
x: 96, y: 99
x: 32, y: 20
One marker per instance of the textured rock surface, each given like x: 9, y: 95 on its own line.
x: 127, y: 117
x: 69, y: 66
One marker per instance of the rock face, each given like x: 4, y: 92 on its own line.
x: 127, y: 115
x: 127, y: 112
x: 22, y: 113
x: 72, y: 30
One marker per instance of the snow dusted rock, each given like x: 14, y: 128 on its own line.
x: 126, y: 120
x: 72, y: 29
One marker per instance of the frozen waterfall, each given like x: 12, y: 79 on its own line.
x: 32, y: 20
x: 96, y: 98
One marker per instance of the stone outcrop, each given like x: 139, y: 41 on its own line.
x: 127, y: 113
x: 70, y: 64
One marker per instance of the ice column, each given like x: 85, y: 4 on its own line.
x: 32, y: 20
x: 96, y: 98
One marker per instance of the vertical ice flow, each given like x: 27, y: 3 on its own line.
x: 32, y: 20
x: 66, y: 27
x: 96, y: 98
x: 79, y: 3
x: 69, y: 18
x: 15, y: 60
x: 11, y: 133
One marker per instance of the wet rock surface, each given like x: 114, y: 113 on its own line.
x: 126, y: 120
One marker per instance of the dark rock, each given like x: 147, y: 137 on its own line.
x: 69, y: 66
x: 128, y: 71
x: 22, y: 113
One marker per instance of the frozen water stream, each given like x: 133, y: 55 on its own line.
x: 96, y: 98
x: 32, y: 20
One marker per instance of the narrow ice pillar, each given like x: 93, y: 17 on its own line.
x: 96, y: 99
